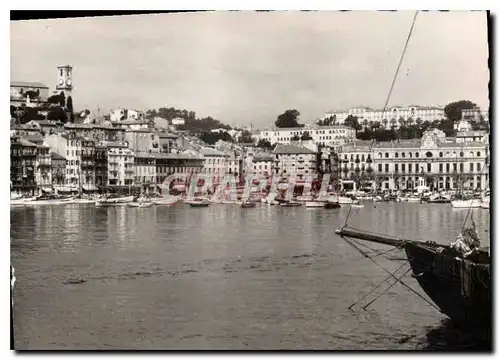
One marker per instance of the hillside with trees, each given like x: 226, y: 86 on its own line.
x: 192, y: 123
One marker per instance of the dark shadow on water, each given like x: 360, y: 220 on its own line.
x: 449, y: 337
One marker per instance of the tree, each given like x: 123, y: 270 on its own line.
x: 57, y: 113
x: 288, y: 119
x: 62, y: 100
x: 447, y: 127
x: 352, y: 121
x: 306, y: 136
x: 69, y: 107
x: 264, y: 144
x: 245, y: 137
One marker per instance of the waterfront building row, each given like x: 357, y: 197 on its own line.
x: 434, y: 161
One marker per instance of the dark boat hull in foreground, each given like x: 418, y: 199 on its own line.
x: 459, y: 287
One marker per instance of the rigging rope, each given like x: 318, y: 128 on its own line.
x: 390, y: 274
x: 470, y: 206
x: 394, y: 79
x: 375, y: 288
x: 400, y: 61
x: 388, y: 288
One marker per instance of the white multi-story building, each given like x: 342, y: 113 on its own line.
x: 262, y: 165
x: 333, y: 136
x: 43, y: 173
x: 220, y: 163
x: 121, y: 164
x: 394, y: 116
x: 433, y: 161
x: 80, y: 155
x: 295, y: 160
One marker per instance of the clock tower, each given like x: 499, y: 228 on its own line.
x: 65, y: 79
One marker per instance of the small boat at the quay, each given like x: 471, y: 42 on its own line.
x: 247, y: 204
x: 331, y: 205
x: 198, y: 202
x: 167, y: 201
x: 291, y: 204
x: 315, y: 204
x: 466, y: 204
x: 414, y: 198
x: 22, y: 201
x: 439, y: 199
x: 49, y: 200
x: 118, y: 201
x: 345, y: 200
x: 140, y: 204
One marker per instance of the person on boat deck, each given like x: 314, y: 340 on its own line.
x: 467, y: 241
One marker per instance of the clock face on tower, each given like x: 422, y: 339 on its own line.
x: 61, y: 82
x: 68, y: 82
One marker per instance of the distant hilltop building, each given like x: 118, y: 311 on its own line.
x: 27, y: 93
x: 392, y: 117
x: 178, y: 121
x: 118, y: 115
x: 475, y: 114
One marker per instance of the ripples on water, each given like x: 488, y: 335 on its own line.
x: 219, y: 278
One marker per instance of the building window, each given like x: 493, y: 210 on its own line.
x: 386, y: 154
x: 478, y: 153
x: 396, y: 155
x: 429, y: 167
x: 478, y: 167
x: 447, y: 168
x: 403, y: 167
x: 428, y: 154
x: 471, y: 167
x: 461, y: 167
x: 386, y: 168
x: 396, y: 167
x: 416, y: 154
x: 379, y: 154
x: 409, y: 168
x: 461, y: 154
x: 409, y: 154
x: 402, y: 154
x: 379, y: 167
x: 455, y: 167
x: 440, y: 168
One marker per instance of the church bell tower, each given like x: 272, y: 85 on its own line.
x: 64, y: 79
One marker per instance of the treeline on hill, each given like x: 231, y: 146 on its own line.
x: 192, y: 124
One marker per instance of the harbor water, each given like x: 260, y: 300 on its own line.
x: 222, y: 277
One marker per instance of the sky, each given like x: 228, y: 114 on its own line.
x: 248, y: 67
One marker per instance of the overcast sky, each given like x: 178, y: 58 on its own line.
x: 248, y: 67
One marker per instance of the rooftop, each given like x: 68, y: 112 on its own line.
x: 56, y: 156
x: 28, y: 84
x: 292, y: 149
